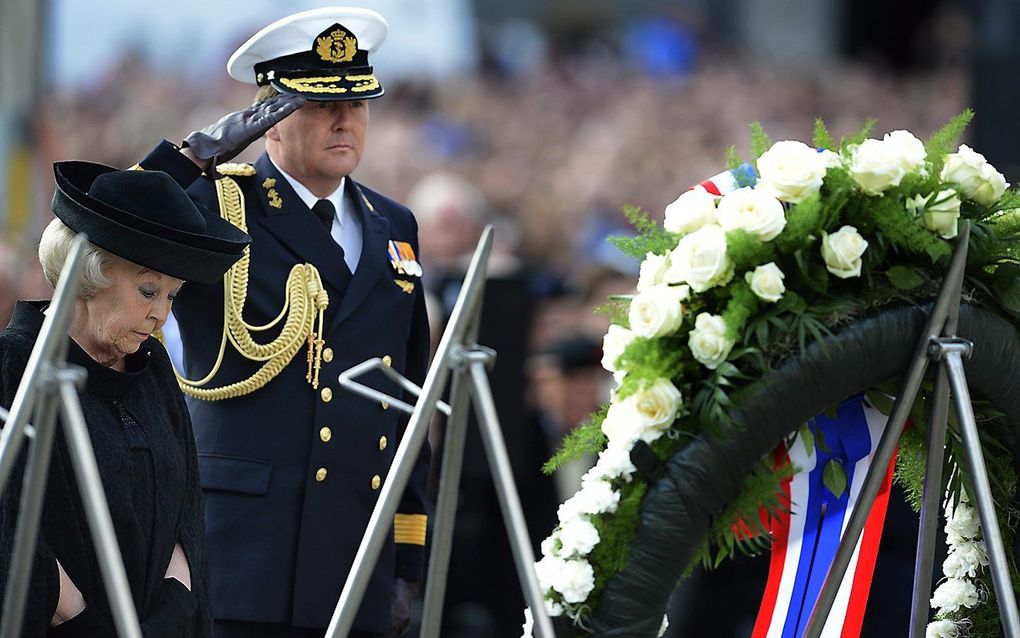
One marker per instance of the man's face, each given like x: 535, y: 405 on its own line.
x: 321, y: 141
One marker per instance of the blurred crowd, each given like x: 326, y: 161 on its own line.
x: 549, y: 154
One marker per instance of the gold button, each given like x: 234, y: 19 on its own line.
x: 320, y: 474
x: 387, y: 361
x: 325, y: 434
x: 385, y: 406
x: 382, y: 442
x: 327, y: 355
x: 327, y: 395
x: 376, y: 481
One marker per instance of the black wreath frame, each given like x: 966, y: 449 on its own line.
x: 699, y: 480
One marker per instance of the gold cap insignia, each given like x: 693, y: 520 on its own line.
x: 336, y: 47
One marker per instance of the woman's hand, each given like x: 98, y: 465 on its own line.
x: 178, y: 567
x: 70, y: 603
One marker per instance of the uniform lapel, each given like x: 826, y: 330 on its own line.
x: 373, y: 262
x: 290, y: 221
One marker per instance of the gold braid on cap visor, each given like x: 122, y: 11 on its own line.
x: 328, y: 84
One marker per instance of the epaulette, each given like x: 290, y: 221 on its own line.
x: 236, y: 170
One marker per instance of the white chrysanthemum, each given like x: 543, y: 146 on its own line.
x: 658, y: 311
x: 792, y: 171
x: 594, y: 497
x: 553, y: 608
x: 692, y: 210
x: 614, y: 462
x: 963, y: 525
x: 579, y: 537
x: 942, y: 629
x: 551, y: 544
x: 663, y: 627
x: 754, y: 210
x: 709, y: 342
x: 615, y: 342
x: 964, y: 560
x: 529, y: 623
x: 653, y: 271
x: 575, y: 580
x: 954, y: 594
x: 700, y: 259
x: 546, y: 570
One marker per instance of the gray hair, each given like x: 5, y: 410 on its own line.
x: 54, y: 246
x: 265, y: 92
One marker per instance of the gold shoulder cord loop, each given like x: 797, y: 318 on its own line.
x: 303, y: 310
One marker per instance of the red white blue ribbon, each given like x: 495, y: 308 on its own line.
x: 806, y: 538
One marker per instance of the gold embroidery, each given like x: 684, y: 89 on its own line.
x: 328, y: 84
x: 406, y: 286
x: 269, y: 182
x: 338, y: 46
x: 236, y: 170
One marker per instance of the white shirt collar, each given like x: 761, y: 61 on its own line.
x: 309, y: 198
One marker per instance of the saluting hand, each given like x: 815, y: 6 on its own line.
x: 225, y: 139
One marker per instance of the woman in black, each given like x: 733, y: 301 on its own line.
x: 146, y: 239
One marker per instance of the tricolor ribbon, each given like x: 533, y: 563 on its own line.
x: 728, y: 181
x: 805, y: 539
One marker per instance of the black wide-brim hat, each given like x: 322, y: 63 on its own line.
x: 321, y: 54
x: 147, y: 218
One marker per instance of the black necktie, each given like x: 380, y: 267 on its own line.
x: 324, y: 210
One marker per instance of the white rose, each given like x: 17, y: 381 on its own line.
x: 708, y: 341
x: 579, y: 537
x: 658, y: 311
x: 653, y: 271
x: 842, y: 252
x: 755, y: 210
x: 906, y: 150
x: 940, y: 212
x: 700, y: 259
x: 955, y: 593
x: 942, y: 629
x: 792, y: 171
x: 613, y: 344
x: 978, y: 180
x: 644, y: 415
x: 767, y: 282
x: 614, y: 462
x: 875, y: 167
x: 575, y: 580
x: 692, y: 210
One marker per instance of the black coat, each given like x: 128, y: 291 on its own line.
x: 281, y: 542
x: 141, y: 434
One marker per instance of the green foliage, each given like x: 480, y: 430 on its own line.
x: 649, y: 360
x: 616, y: 532
x: 910, y: 465
x: 946, y: 139
x: 651, y: 237
x: 747, y: 251
x: 803, y: 222
x: 859, y: 136
x: 742, y: 305
x: 834, y: 477
x: 760, y: 142
x: 822, y: 138
x: 586, y: 438
x: 617, y: 309
x: 742, y: 524
x: 733, y: 158
x: 906, y: 277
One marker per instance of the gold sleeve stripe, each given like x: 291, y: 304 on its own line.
x: 409, y: 529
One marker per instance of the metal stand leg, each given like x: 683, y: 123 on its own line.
x: 469, y: 376
x: 997, y: 561
x: 446, y: 506
x: 509, y: 499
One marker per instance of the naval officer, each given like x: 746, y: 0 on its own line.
x: 290, y: 464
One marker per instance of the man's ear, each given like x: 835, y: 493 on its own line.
x: 273, y: 134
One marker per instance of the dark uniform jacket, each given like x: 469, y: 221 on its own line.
x: 141, y: 436
x: 291, y: 474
